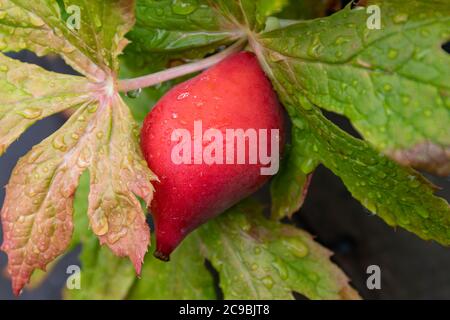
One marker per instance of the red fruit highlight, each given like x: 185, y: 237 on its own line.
x: 234, y: 94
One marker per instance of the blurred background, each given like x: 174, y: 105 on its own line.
x: 410, y: 268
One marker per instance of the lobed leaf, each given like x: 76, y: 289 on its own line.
x: 391, y: 83
x: 43, y: 182
x: 173, y: 29
x: 46, y: 27
x: 261, y: 259
x: 118, y: 172
x: 104, y: 276
x: 184, y: 277
x: 28, y: 93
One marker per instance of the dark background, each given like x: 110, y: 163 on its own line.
x: 410, y: 268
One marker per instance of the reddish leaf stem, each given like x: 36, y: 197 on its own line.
x: 172, y: 73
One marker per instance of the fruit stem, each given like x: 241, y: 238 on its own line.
x: 172, y: 73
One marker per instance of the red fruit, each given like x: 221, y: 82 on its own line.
x: 234, y: 94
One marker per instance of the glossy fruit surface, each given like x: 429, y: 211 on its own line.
x: 234, y: 94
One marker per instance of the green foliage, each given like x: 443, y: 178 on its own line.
x: 390, y: 83
x: 260, y: 259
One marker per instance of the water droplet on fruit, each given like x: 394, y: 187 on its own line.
x: 174, y: 115
x: 30, y: 113
x: 184, y: 7
x: 4, y: 68
x: 183, y: 95
x: 133, y: 94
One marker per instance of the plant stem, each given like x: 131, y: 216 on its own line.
x: 172, y: 73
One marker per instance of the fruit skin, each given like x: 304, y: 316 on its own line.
x: 233, y: 94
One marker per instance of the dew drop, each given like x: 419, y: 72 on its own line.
x: 422, y: 212
x: 427, y: 113
x: 400, y: 18
x: 406, y: 100
x: 30, y: 113
x: 281, y: 269
x: 392, y: 54
x: 97, y: 21
x: 59, y: 143
x: 174, y: 115
x: 340, y: 40
x: 2, y: 44
x: 268, y: 282
x: 182, y: 96
x: 296, y: 246
x: 184, y: 7
x: 308, y: 166
x: 92, y: 108
x: 36, y: 21
x: 134, y: 94
x: 314, y: 48
x: 2, y: 14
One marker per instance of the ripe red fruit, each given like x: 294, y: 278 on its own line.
x: 234, y: 94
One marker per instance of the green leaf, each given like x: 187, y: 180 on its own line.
x: 101, y: 136
x: 183, y: 277
x: 178, y: 29
x: 44, y: 182
x: 28, y: 93
x: 104, y: 276
x: 250, y: 15
x: 41, y: 27
x: 261, y: 259
x: 306, y: 9
x: 391, y: 83
x: 290, y: 186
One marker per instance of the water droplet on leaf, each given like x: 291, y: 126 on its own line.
x: 133, y: 94
x: 184, y: 7
x: 30, y: 113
